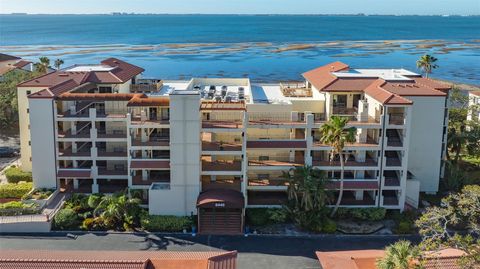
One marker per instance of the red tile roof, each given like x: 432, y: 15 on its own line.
x: 366, y: 259
x: 349, y: 84
x: 99, y: 96
x: 121, y: 73
x: 21, y: 63
x: 41, y: 259
x: 477, y: 93
x: 276, y: 144
x: 137, y: 164
x: 376, y: 91
x: 321, y: 77
x: 148, y: 101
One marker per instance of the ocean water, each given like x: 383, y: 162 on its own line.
x: 264, y: 48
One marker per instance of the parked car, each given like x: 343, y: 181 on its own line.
x: 7, y: 152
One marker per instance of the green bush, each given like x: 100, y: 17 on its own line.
x: 38, y: 194
x: 94, y: 200
x: 15, y: 175
x: 15, y: 208
x: 257, y: 216
x: 87, y: 224
x: 277, y: 215
x: 165, y: 223
x: 405, y: 227
x: 14, y: 190
x: 66, y: 219
x: 329, y: 226
x: 370, y: 213
x: 78, y: 202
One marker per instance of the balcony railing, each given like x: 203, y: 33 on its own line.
x: 150, y: 87
x: 295, y: 89
x: 104, y: 153
x: 222, y: 124
x: 218, y: 146
x: 152, y: 142
x: 101, y: 134
x: 270, y: 182
x: 110, y: 172
x: 367, y: 162
x: 396, y: 118
x: 68, y: 134
x: 221, y: 165
x: 232, y: 184
x: 341, y: 110
x: 275, y: 162
x: 69, y: 153
x: 137, y: 180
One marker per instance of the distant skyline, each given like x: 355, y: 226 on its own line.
x: 390, y: 7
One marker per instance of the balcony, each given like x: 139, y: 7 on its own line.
x: 266, y: 198
x: 217, y: 124
x: 104, y: 153
x: 396, y: 118
x: 69, y: 114
x: 390, y: 198
x: 295, y: 89
x: 277, y: 144
x: 274, y: 163
x: 220, y: 146
x: 139, y: 120
x: 146, y: 86
x: 356, y: 184
x: 348, y: 199
x: 150, y: 164
x: 368, y: 162
x: 342, y: 110
x: 231, y: 184
x: 152, y: 142
x: 137, y: 180
x: 68, y: 153
x: 393, y: 138
x: 64, y: 172
x: 221, y: 165
x: 70, y: 135
x: 113, y: 135
x: 112, y: 172
x: 259, y: 183
x: 391, y: 179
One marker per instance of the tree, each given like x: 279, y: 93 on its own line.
x: 400, y: 255
x: 427, y: 64
x: 438, y: 226
x: 118, y: 211
x: 307, y: 197
x: 335, y: 134
x: 58, y: 63
x: 43, y: 65
x: 8, y: 96
x: 306, y: 188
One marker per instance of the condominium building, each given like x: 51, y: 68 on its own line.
x: 214, y: 146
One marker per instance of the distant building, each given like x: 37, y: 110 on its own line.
x: 212, y: 146
x: 9, y: 63
x: 474, y: 102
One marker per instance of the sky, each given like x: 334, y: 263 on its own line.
x: 396, y: 7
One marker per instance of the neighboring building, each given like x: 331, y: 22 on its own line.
x: 474, y: 100
x: 28, y: 259
x: 215, y: 146
x: 366, y: 259
x: 9, y: 63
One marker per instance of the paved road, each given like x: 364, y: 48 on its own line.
x: 254, y: 251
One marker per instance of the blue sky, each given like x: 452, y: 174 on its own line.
x: 399, y: 7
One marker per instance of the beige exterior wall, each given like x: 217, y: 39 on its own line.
x: 24, y: 122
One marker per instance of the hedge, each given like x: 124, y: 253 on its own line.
x: 156, y: 223
x: 15, y: 175
x: 264, y: 216
x: 12, y: 190
x: 15, y: 208
x: 66, y: 219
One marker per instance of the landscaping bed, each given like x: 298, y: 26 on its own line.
x: 17, y: 208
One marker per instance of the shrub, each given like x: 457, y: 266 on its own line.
x: 78, y: 202
x: 66, y: 219
x: 15, y: 208
x: 405, y: 227
x: 277, y: 215
x: 94, y: 200
x: 38, y: 194
x: 14, y: 190
x: 165, y: 223
x: 87, y: 224
x: 257, y: 216
x: 15, y: 175
x: 370, y: 213
x: 329, y: 226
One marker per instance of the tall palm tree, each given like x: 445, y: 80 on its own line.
x: 335, y: 134
x: 306, y: 187
x: 427, y: 64
x: 401, y: 255
x: 43, y: 65
x: 58, y: 63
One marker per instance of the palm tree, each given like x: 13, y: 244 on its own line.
x: 401, y: 255
x: 306, y: 187
x: 43, y: 65
x: 427, y: 64
x: 335, y: 134
x: 117, y: 209
x: 58, y: 63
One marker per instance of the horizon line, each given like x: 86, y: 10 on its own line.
x: 119, y: 13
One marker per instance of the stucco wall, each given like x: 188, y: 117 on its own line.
x: 426, y: 136
x: 43, y: 143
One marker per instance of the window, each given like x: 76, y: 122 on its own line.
x: 28, y: 110
x: 29, y: 142
x: 29, y: 92
x: 105, y: 89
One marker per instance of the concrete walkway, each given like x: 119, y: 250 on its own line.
x: 264, y: 252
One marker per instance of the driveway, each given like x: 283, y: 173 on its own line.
x: 254, y: 251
